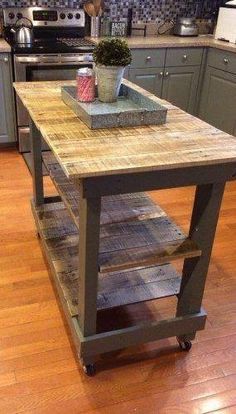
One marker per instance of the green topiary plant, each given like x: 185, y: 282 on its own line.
x: 112, y: 52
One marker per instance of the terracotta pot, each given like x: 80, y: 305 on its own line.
x: 109, y: 81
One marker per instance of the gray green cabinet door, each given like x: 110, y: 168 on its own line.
x: 180, y: 86
x: 7, y: 114
x: 149, y: 79
x: 218, y: 100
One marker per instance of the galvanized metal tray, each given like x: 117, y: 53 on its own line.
x: 131, y: 109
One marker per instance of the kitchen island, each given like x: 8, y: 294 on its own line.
x: 107, y: 244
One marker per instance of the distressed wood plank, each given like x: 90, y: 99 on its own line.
x: 122, y: 245
x: 137, y: 206
x: 61, y: 239
x: 184, y: 141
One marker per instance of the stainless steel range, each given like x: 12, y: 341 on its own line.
x: 58, y: 49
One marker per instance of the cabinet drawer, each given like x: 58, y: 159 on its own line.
x: 148, y: 58
x: 223, y: 60
x: 184, y: 56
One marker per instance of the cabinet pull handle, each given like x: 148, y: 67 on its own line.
x: 148, y: 58
x: 226, y: 61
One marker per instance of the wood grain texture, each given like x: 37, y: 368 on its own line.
x: 183, y: 141
x: 114, y: 209
x: 38, y: 370
x: 120, y: 248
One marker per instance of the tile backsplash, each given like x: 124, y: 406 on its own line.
x: 143, y: 10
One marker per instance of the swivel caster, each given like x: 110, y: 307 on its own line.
x: 185, y: 345
x: 89, y: 370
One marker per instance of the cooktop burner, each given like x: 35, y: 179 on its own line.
x: 56, y: 45
x: 76, y: 42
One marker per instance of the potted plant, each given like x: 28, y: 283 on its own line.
x: 111, y: 57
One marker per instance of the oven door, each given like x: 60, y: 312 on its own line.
x: 43, y: 68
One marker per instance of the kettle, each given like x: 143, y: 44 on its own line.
x: 23, y: 34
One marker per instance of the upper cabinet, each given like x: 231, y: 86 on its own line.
x: 218, y: 99
x: 7, y: 115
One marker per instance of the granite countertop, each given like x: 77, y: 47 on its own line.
x: 184, y: 141
x: 4, y: 46
x: 136, y: 42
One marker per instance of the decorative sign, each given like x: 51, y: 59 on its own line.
x: 118, y: 29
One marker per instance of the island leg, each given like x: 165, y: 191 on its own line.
x: 89, y: 229
x: 37, y: 173
x: 204, y: 221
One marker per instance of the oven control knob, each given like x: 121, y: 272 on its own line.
x: 62, y: 16
x: 19, y: 15
x: 77, y: 16
x: 11, y: 15
x: 70, y: 16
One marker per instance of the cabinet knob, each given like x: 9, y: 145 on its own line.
x: 161, y: 73
x: 167, y: 73
x: 5, y: 59
x: 148, y: 58
x: 226, y: 61
x: 185, y: 57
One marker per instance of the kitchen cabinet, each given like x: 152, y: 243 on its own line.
x: 218, y: 98
x: 149, y: 79
x: 218, y: 101
x: 172, y: 74
x: 7, y: 116
x: 180, y: 86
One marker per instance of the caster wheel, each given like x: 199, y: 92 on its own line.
x: 185, y: 345
x: 89, y: 370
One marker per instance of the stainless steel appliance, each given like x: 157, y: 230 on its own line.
x: 186, y: 26
x: 59, y: 48
x: 23, y: 34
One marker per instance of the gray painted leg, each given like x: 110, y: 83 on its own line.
x: 89, y: 228
x: 202, y: 230
x: 37, y: 173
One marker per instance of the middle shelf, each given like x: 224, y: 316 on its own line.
x: 134, y: 231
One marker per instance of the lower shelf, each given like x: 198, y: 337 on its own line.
x: 115, y: 289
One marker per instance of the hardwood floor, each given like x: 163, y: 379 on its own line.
x: 38, y: 370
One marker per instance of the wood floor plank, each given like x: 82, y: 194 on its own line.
x: 38, y: 370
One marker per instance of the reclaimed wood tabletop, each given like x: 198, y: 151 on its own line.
x: 184, y: 141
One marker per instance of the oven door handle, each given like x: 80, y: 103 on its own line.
x: 55, y: 61
x: 27, y: 59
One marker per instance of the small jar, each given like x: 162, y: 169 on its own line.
x: 85, y: 85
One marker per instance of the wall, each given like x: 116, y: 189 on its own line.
x: 145, y: 11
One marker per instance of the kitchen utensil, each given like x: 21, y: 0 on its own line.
x: 186, y: 26
x: 97, y: 6
x: 102, y: 5
x: 23, y: 34
x: 90, y: 9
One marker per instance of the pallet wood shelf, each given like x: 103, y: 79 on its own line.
x: 60, y: 238
x: 125, y: 207
x: 141, y: 235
